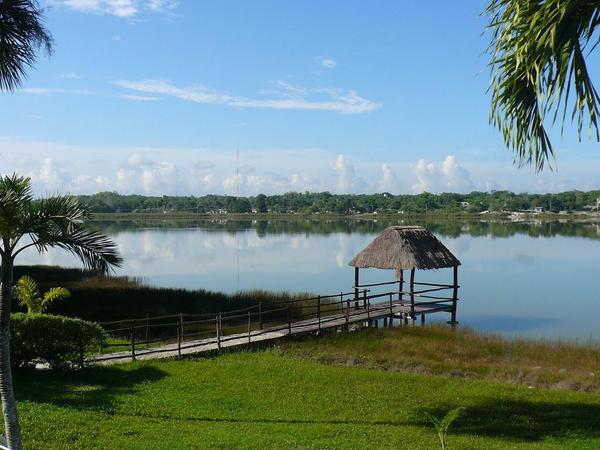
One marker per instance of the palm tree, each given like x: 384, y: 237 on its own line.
x: 28, y: 294
x: 22, y: 33
x: 538, y: 60
x: 41, y: 224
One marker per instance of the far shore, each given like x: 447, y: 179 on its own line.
x: 461, y: 215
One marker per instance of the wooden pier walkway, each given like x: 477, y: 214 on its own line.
x: 324, y: 314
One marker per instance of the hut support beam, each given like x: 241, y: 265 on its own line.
x: 356, y: 284
x: 454, y: 295
x: 412, y: 293
x: 400, y: 285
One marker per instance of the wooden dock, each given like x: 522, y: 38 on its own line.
x: 342, y: 313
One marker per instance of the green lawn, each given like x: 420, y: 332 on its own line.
x: 269, y: 399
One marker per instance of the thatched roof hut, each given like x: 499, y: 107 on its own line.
x: 405, y: 247
x: 410, y: 248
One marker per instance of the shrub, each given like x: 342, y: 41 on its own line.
x: 61, y: 342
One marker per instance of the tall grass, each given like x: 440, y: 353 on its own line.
x: 97, y: 298
x: 461, y: 353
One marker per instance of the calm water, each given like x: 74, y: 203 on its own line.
x: 526, y: 279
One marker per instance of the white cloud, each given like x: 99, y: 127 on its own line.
x: 70, y: 76
x: 139, y: 98
x: 326, y: 62
x: 52, y: 91
x: 290, y: 97
x: 347, y: 179
x: 447, y: 177
x: 118, y: 8
x: 198, y: 171
x: 389, y: 181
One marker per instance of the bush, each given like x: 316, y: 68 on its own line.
x: 61, y: 342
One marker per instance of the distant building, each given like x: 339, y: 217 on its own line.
x: 464, y: 204
x: 538, y: 209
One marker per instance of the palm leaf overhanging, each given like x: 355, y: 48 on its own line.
x: 539, y: 72
x: 56, y: 221
x: 22, y: 33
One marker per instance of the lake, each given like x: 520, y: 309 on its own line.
x: 533, y: 279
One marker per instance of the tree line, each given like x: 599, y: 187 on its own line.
x: 327, y: 203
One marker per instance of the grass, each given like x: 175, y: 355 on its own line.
x: 460, y: 353
x: 284, y: 398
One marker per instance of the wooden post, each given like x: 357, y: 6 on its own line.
x: 412, y: 293
x: 132, y: 343
x: 218, y: 322
x: 181, y: 325
x: 147, y: 326
x: 454, y: 295
x: 356, y: 282
x: 401, y: 287
x: 367, y: 305
x: 422, y: 319
x: 249, y: 323
x: 260, y: 319
x: 342, y: 300
x: 347, y: 320
x: 319, y: 310
x: 289, y: 314
x: 179, y: 333
x: 391, y: 306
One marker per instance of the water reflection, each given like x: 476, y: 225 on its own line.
x: 531, y: 279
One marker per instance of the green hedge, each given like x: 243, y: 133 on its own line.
x: 61, y: 342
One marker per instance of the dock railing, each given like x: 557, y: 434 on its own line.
x: 177, y: 332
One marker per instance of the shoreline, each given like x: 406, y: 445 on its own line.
x: 513, y: 217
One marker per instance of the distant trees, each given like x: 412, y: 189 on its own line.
x: 325, y: 202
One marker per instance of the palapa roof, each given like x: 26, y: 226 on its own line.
x: 405, y: 247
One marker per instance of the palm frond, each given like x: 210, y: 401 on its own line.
x: 22, y: 33
x: 59, y: 222
x: 15, y: 196
x: 53, y: 294
x: 538, y: 69
x: 28, y: 294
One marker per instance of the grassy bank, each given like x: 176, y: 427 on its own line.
x: 287, y: 397
x: 460, y: 353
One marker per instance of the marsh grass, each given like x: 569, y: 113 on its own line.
x: 106, y: 298
x: 460, y: 353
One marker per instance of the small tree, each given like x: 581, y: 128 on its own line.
x: 28, y: 294
x: 442, y: 425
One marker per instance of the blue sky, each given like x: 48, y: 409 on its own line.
x: 157, y: 96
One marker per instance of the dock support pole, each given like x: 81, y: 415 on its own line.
x: 454, y: 295
x: 289, y: 314
x: 356, y: 283
x: 412, y: 293
x: 401, y: 286
x: 260, y: 320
